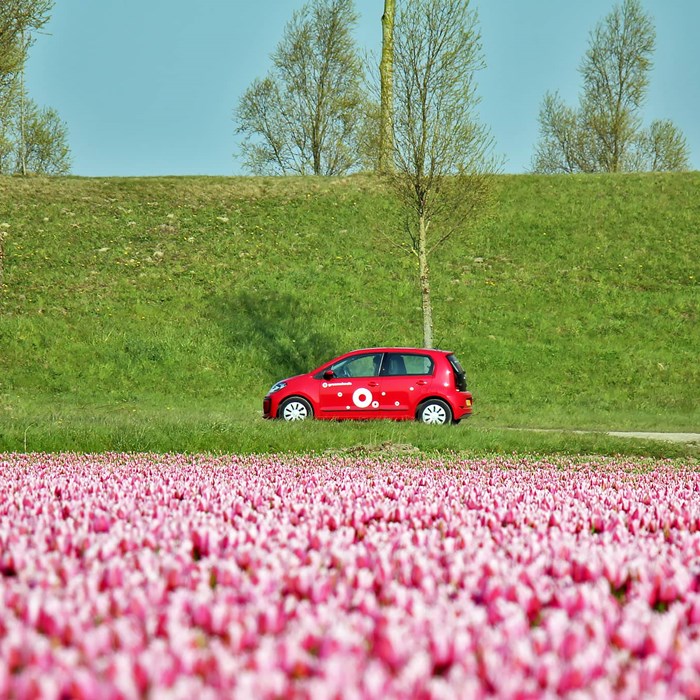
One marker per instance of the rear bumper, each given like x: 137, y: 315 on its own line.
x: 465, y: 405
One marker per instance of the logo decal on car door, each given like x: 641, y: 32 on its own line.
x: 362, y: 397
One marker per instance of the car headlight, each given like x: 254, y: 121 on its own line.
x: 277, y: 387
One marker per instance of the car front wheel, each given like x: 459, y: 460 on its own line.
x: 435, y: 412
x: 295, y: 408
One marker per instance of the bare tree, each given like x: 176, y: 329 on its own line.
x: 303, y: 117
x: 442, y: 167
x: 605, y: 133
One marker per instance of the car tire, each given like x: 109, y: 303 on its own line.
x: 294, y: 409
x: 435, y: 412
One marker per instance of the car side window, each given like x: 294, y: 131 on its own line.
x: 358, y: 366
x: 400, y: 364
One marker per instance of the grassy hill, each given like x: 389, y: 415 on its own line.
x: 175, y: 302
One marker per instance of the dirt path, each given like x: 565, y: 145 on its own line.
x: 666, y: 437
x: 687, y: 438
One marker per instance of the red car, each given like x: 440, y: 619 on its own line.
x: 399, y: 383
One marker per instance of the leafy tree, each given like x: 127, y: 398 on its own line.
x: 45, y: 142
x: 18, y: 20
x: 661, y: 147
x: 44, y: 139
x: 31, y: 139
x: 303, y: 117
x: 605, y: 133
x: 9, y: 113
x: 442, y: 167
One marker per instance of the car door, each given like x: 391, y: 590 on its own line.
x: 404, y: 379
x: 350, y: 393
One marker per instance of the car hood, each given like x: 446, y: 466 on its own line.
x: 295, y: 377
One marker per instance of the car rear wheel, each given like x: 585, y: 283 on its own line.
x: 435, y: 412
x: 295, y: 408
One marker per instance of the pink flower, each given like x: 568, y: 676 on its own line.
x: 313, y: 577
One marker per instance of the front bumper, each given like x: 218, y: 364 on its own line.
x: 267, y: 407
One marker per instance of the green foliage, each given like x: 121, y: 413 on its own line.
x: 605, y: 133
x: 18, y: 19
x: 661, y: 147
x: 303, y: 117
x: 155, y: 313
x: 39, y: 146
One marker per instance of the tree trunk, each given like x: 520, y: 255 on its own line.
x: 22, y: 139
x: 386, y: 75
x: 2, y: 263
x: 424, y: 275
x: 316, y: 151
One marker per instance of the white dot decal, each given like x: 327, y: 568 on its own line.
x: 375, y: 404
x: 340, y: 393
x: 410, y: 388
x: 324, y: 385
x: 362, y: 398
x: 383, y: 393
x: 396, y: 403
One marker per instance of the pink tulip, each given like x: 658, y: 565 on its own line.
x: 311, y: 577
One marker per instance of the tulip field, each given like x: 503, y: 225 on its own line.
x: 173, y: 576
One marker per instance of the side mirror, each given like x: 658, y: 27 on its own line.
x: 329, y: 374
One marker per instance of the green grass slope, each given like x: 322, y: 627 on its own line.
x: 173, y: 303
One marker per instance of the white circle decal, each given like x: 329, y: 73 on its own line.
x: 375, y: 404
x: 362, y: 398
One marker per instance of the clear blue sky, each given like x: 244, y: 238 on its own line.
x: 148, y: 87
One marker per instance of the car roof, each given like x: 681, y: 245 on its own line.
x: 401, y: 349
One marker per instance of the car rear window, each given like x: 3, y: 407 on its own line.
x: 460, y: 374
x: 400, y: 364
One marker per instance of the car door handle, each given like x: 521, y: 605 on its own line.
x: 373, y: 383
x: 421, y: 382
